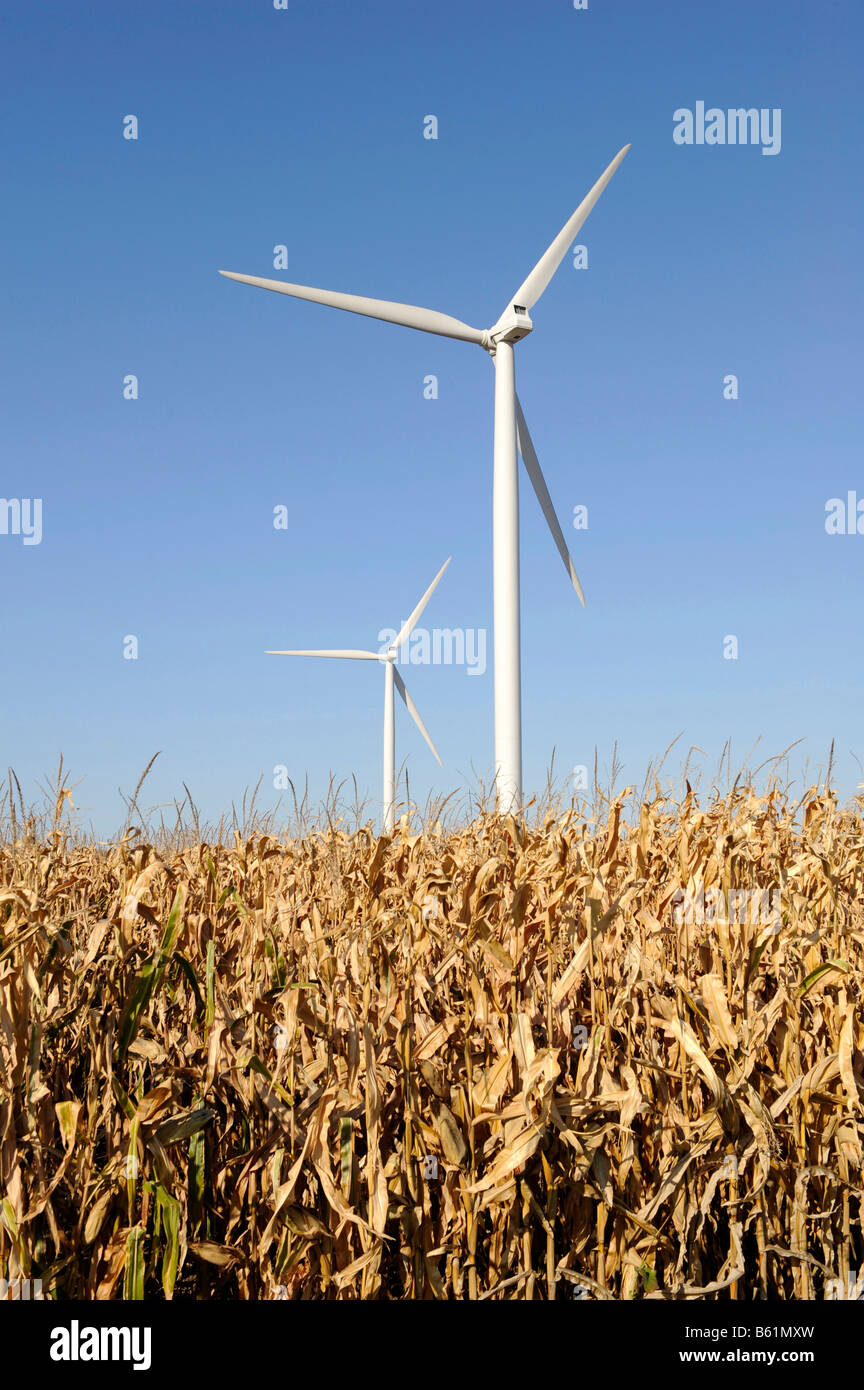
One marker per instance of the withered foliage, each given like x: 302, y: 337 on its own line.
x: 224, y: 1072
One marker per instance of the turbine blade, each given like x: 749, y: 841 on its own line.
x: 427, y: 320
x: 348, y: 651
x: 535, y: 473
x: 414, y: 713
x: 408, y: 625
x: 531, y: 289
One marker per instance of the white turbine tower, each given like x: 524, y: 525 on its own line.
x: 511, y: 433
x: 388, y: 657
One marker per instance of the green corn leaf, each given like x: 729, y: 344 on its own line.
x: 197, y: 1175
x: 136, y: 1004
x: 817, y: 974
x: 133, y: 1277
x: 346, y: 1134
x: 170, y: 1213
x: 172, y: 926
x: 184, y: 1126
x: 126, y: 1105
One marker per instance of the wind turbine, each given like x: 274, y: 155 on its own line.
x: 388, y: 657
x: 511, y: 434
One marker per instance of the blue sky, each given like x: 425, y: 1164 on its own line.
x: 304, y: 128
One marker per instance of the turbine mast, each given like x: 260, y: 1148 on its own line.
x: 505, y: 566
x: 388, y: 794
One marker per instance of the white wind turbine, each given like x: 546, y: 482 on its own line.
x: 511, y: 432
x: 388, y: 657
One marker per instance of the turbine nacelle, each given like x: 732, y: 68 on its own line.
x: 513, y: 325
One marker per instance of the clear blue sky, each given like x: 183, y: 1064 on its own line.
x: 304, y: 127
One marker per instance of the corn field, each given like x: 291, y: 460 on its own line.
x: 494, y: 1061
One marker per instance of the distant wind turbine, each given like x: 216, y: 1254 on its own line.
x: 511, y: 433
x: 388, y: 657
